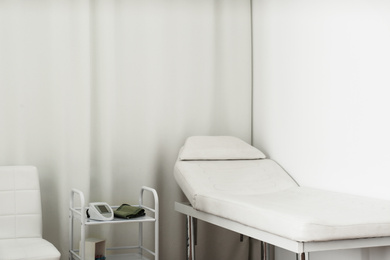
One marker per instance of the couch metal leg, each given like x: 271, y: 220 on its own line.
x: 264, y: 252
x: 301, y: 256
x: 190, y: 238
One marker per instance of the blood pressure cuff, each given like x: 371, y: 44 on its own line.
x: 127, y: 211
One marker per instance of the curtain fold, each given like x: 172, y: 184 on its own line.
x: 45, y: 100
x: 100, y: 95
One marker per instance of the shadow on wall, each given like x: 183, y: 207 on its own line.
x: 212, y: 242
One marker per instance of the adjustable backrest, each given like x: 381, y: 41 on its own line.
x: 20, y: 202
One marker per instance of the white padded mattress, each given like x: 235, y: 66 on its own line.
x: 260, y: 194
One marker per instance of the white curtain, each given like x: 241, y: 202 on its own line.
x: 45, y: 100
x: 101, y: 94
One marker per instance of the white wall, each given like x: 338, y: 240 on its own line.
x: 321, y: 97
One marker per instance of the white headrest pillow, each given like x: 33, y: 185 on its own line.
x: 198, y: 148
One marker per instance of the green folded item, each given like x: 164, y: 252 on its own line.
x: 127, y: 211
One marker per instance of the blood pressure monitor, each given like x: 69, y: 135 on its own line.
x: 100, y: 211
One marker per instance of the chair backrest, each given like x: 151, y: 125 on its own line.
x: 20, y: 202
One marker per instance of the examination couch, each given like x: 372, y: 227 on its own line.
x: 231, y: 184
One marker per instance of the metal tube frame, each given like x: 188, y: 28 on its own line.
x: 190, y: 239
x: 80, y: 214
x: 264, y: 251
x: 302, y: 256
x: 155, y: 211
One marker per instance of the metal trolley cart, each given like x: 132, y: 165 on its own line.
x: 78, y: 213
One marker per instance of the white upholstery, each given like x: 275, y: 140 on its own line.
x: 218, y: 148
x: 260, y: 194
x: 224, y: 178
x: 27, y: 248
x: 21, y: 216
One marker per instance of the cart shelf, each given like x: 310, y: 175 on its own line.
x: 127, y: 257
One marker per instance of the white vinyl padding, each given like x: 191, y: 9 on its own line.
x: 218, y: 148
x: 229, y: 178
x: 260, y: 194
x: 21, y: 216
x: 27, y: 249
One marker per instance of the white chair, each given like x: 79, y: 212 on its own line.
x: 21, y: 216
